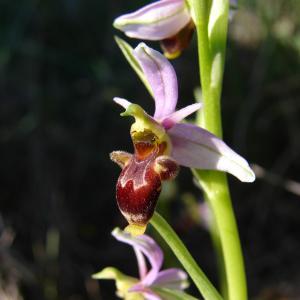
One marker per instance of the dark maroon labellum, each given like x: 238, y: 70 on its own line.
x: 138, y: 188
x: 139, y: 183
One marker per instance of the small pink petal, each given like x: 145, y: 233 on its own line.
x: 171, y: 279
x: 162, y: 78
x: 141, y: 263
x: 179, y: 115
x: 156, y: 21
x: 123, y: 102
x: 197, y: 148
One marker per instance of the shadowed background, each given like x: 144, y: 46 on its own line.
x: 59, y: 70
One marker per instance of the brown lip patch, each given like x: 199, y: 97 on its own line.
x: 139, y: 184
x: 138, y: 189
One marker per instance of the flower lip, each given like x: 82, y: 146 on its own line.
x: 139, y: 184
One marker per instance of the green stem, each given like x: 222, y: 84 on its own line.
x: 216, y: 241
x: 209, y: 115
x: 217, y: 194
x: 211, y: 50
x: 207, y: 290
x: 215, y: 237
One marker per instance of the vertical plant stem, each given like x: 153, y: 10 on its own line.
x: 217, y: 194
x: 205, y: 287
x: 215, y: 237
x: 211, y: 51
x: 216, y: 241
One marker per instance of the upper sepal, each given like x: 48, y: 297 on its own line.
x: 127, y: 50
x: 162, y: 78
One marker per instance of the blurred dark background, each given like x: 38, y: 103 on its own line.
x: 59, y: 70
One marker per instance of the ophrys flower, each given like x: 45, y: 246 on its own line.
x: 161, y: 143
x: 153, y: 283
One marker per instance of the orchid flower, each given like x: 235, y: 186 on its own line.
x: 168, y: 21
x: 153, y: 283
x: 161, y: 143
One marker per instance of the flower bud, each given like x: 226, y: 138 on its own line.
x: 155, y: 21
